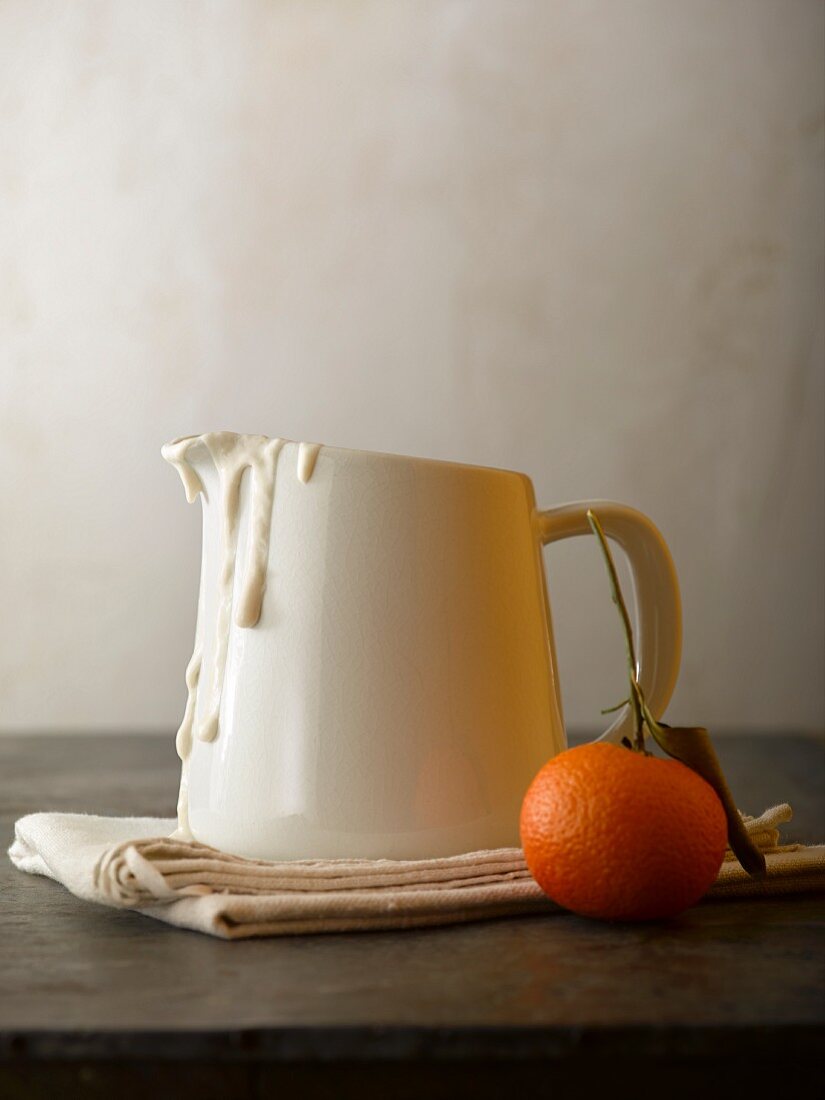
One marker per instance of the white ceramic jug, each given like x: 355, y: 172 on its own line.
x: 374, y: 673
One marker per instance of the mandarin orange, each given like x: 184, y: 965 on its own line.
x: 612, y: 833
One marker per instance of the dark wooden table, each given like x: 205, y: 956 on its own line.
x: 99, y: 1002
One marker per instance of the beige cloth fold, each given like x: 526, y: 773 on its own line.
x: 132, y: 863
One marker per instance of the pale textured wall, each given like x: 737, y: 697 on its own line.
x: 584, y: 240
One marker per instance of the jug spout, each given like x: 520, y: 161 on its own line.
x: 185, y: 454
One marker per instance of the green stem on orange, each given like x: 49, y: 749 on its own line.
x: 636, y: 697
x: 618, y: 706
x: 690, y: 745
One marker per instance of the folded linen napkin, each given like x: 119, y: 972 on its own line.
x: 132, y: 863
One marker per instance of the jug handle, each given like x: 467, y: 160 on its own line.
x: 658, y: 618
